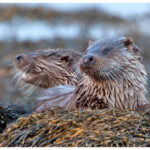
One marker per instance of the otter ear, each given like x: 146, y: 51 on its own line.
x: 90, y: 42
x: 128, y: 42
x: 66, y: 58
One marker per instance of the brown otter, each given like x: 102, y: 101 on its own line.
x: 48, y: 68
x: 114, y: 77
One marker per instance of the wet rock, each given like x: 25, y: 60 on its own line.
x: 10, y: 114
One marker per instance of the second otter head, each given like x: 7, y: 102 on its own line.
x: 48, y: 68
x: 110, y: 58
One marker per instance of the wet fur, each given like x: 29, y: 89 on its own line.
x: 49, y: 68
x: 116, y: 80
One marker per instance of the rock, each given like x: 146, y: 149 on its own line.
x: 10, y: 114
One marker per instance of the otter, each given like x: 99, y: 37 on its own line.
x: 49, y: 68
x: 113, y: 77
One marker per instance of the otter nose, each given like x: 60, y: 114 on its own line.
x: 18, y: 57
x: 88, y: 59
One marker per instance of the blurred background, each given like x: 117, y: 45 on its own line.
x: 29, y: 27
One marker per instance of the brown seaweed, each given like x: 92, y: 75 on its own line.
x: 79, y: 128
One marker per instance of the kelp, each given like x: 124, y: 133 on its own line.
x: 88, y: 128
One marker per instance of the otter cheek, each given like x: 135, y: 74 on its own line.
x: 28, y: 78
x: 38, y: 70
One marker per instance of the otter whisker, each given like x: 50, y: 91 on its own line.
x: 18, y: 81
x: 105, y: 74
x: 25, y: 68
x: 13, y: 71
x: 124, y: 74
x: 16, y: 75
x: 113, y: 76
x: 38, y: 83
x: 30, y: 90
x: 24, y: 86
x: 121, y: 73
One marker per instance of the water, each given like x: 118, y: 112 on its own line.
x: 22, y: 29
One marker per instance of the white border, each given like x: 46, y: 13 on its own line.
x: 74, y: 1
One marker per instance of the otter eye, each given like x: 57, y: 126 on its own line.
x: 105, y: 51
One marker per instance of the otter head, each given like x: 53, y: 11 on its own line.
x: 111, y: 59
x: 48, y: 68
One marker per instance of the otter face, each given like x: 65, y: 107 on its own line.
x: 109, y: 58
x: 47, y: 68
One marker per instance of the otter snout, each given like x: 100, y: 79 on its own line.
x: 18, y: 57
x: 88, y: 59
x: 19, y: 61
x: 86, y: 62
